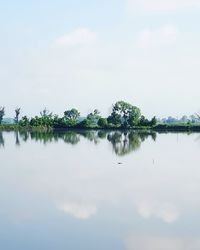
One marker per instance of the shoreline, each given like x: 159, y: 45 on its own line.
x: 158, y: 128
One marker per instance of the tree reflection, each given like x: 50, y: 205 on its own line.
x: 91, y: 135
x: 122, y: 142
x: 102, y: 134
x: 17, y: 141
x: 2, y: 142
x: 24, y: 135
x: 72, y: 138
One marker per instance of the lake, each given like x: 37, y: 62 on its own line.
x: 97, y: 190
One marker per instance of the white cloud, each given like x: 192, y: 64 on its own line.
x: 166, y: 35
x: 60, y: 70
x: 164, y: 211
x: 79, y: 211
x: 81, y: 36
x: 161, y: 5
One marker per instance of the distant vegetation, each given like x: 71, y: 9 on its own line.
x: 123, y: 116
x: 194, y: 119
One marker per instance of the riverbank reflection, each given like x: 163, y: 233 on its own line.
x: 123, y: 142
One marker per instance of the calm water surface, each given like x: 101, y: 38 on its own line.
x: 99, y: 191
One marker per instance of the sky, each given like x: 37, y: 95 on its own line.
x: 89, y: 54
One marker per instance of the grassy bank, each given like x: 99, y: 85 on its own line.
x: 157, y: 128
x: 177, y: 127
x: 15, y: 127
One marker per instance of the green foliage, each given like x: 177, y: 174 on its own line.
x: 41, y: 121
x: 144, y: 122
x: 87, y: 123
x: 114, y: 119
x: 94, y: 117
x: 91, y: 120
x: 177, y: 127
x: 102, y: 123
x: 24, y: 122
x: 71, y: 117
x: 153, y: 121
x: 59, y: 122
x: 124, y: 114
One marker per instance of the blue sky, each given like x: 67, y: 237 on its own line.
x: 89, y: 54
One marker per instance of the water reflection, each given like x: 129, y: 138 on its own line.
x: 123, y: 142
x: 58, y: 197
x: 166, y: 243
x: 1, y: 139
x: 17, y: 141
x: 70, y: 137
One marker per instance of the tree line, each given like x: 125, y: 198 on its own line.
x: 123, y: 115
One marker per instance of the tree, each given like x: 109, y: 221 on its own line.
x: 17, y: 113
x: 46, y: 119
x: 143, y: 121
x: 2, y: 113
x: 96, y: 113
x: 72, y: 114
x: 102, y: 122
x: 153, y: 121
x: 92, y: 119
x: 71, y: 117
x: 24, y: 122
x: 125, y: 113
x: 114, y: 119
x: 46, y: 113
x: 86, y: 123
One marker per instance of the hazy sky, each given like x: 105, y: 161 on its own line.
x: 89, y: 54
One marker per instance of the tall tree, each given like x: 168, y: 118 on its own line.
x: 17, y: 113
x: 2, y: 113
x: 125, y: 113
x: 153, y: 121
x: 71, y: 116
